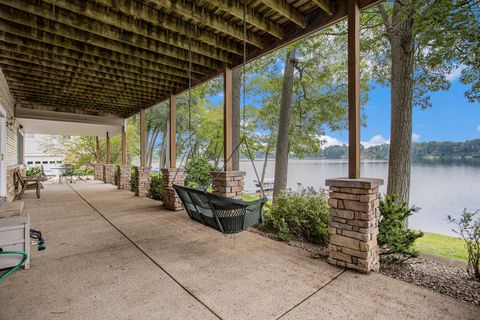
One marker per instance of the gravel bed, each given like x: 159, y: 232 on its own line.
x: 448, y: 280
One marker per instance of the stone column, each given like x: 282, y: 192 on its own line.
x: 354, y: 224
x: 109, y: 173
x: 170, y: 176
x: 228, y: 183
x: 124, y: 176
x: 98, y: 171
x: 142, y: 174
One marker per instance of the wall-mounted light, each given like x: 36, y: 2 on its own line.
x: 11, y: 123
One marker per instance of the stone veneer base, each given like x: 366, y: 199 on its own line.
x: 171, y: 176
x: 109, y: 173
x: 98, y: 172
x: 124, y: 178
x: 142, y: 175
x: 228, y: 183
x: 353, y: 228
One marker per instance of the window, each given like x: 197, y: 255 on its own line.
x: 37, y: 162
x: 30, y: 162
x: 52, y: 162
x: 59, y: 162
x: 45, y: 162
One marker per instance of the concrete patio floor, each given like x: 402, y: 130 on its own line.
x: 111, y: 255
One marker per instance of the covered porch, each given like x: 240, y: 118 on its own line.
x: 113, y: 255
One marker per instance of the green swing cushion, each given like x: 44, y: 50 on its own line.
x: 226, y: 215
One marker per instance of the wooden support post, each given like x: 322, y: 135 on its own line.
x: 108, y: 148
x: 227, y: 118
x: 143, y: 138
x: 353, y: 89
x: 124, y: 146
x: 97, y: 149
x: 172, y: 131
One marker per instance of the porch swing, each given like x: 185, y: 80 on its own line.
x: 227, y: 215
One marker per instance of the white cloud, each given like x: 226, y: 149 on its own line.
x: 375, y: 141
x: 455, y: 73
x: 478, y: 128
x: 415, y: 137
x: 330, y: 141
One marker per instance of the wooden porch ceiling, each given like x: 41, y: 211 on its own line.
x: 117, y: 57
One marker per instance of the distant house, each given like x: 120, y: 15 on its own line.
x: 35, y: 156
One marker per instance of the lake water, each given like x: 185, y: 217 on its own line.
x: 439, y: 188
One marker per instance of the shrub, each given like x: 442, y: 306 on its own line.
x: 468, y: 227
x: 305, y: 216
x: 87, y: 171
x: 133, y: 179
x: 33, y: 171
x: 395, y: 239
x: 116, y: 175
x: 199, y: 172
x: 156, y: 186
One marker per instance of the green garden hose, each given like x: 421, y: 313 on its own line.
x: 25, y: 256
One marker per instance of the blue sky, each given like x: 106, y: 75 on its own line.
x: 451, y: 117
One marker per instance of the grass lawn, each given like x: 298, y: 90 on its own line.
x: 444, y: 246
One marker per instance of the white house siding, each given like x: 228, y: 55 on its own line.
x: 11, y: 156
x: 7, y: 101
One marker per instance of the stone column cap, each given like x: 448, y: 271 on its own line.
x: 360, y: 183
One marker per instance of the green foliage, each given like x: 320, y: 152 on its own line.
x: 81, y: 151
x: 156, y: 186
x: 33, y: 171
x: 116, y: 175
x: 395, y: 239
x: 133, y: 179
x: 87, y: 171
x: 304, y: 216
x: 198, y: 170
x: 468, y: 227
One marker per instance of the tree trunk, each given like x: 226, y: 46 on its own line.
x: 236, y: 85
x: 152, y: 147
x: 265, y: 159
x: 281, y: 155
x: 401, y: 36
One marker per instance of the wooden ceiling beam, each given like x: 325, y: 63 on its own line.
x: 236, y: 9
x: 52, y: 91
x: 77, y: 27
x: 85, y: 98
x: 90, y: 62
x: 100, y: 17
x: 32, y: 80
x: 36, y: 23
x: 58, y: 45
x: 140, y: 11
x: 287, y: 11
x: 72, y: 64
x: 192, y: 12
x: 75, y: 73
x: 73, y: 108
x: 73, y: 102
x: 325, y: 5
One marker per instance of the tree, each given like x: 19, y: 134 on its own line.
x: 281, y: 156
x: 418, y: 45
x: 81, y: 151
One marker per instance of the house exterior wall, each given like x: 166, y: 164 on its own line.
x: 12, y: 132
